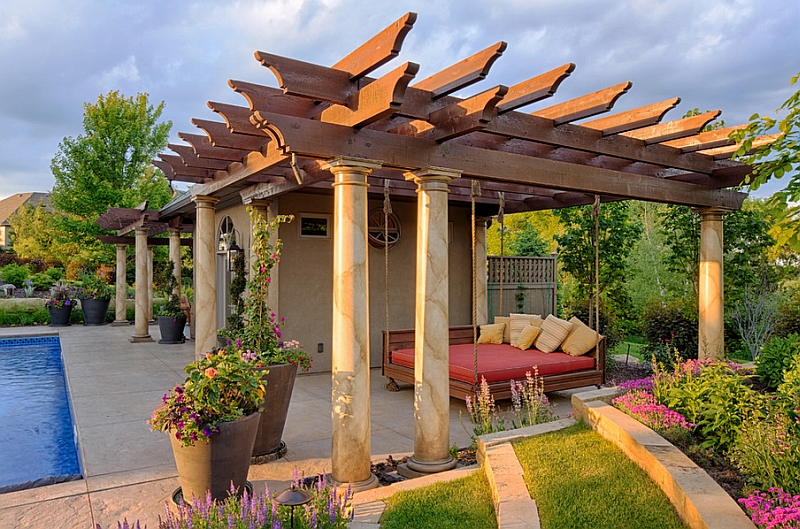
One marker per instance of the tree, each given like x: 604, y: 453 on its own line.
x: 523, y: 227
x: 528, y: 243
x: 107, y: 166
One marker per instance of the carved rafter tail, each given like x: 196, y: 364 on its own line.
x: 535, y: 89
x: 462, y: 74
x: 202, y: 147
x: 304, y: 79
x: 671, y: 130
x: 584, y: 106
x: 221, y: 136
x: 190, y: 159
x: 722, y: 153
x: 262, y: 97
x: 166, y: 168
x: 632, y: 119
x: 467, y: 116
x: 236, y: 118
x: 375, y: 101
x: 705, y: 140
x: 378, y: 50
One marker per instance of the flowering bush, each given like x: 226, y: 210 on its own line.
x: 639, y: 384
x: 60, y: 296
x: 260, y: 332
x: 773, y: 510
x: 221, y: 386
x: 643, y: 406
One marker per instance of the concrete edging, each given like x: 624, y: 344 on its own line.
x: 700, y: 501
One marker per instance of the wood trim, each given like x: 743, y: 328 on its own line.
x: 378, y: 50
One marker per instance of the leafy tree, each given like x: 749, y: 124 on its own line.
x: 541, y: 223
x: 528, y: 243
x: 618, y: 234
x: 107, y: 166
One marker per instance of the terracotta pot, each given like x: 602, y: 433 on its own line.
x: 59, y: 316
x: 214, y: 465
x: 171, y: 329
x: 95, y: 311
x: 280, y: 383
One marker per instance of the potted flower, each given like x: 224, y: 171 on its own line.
x: 60, y: 304
x: 259, y: 334
x: 171, y: 317
x: 95, y: 296
x: 212, y: 420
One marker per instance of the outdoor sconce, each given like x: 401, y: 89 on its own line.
x: 233, y: 253
x: 293, y: 497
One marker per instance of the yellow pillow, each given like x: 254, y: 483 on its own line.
x: 492, y: 333
x: 507, y: 331
x: 519, y: 322
x: 526, y: 337
x: 554, y: 330
x: 580, y: 340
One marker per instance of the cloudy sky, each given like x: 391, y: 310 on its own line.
x: 733, y: 55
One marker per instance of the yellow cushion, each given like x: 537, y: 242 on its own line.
x: 527, y: 337
x: 554, y: 330
x: 507, y: 331
x: 519, y: 322
x: 492, y: 333
x: 580, y: 340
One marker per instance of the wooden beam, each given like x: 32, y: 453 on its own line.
x: 705, y: 140
x: 584, y: 106
x: 203, y: 147
x: 462, y: 74
x: 191, y: 159
x: 236, y: 118
x: 298, y: 78
x: 672, y: 129
x: 313, y: 174
x: 181, y: 168
x: 375, y: 101
x: 263, y: 97
x: 238, y: 173
x: 323, y: 140
x: 151, y: 241
x: 724, y: 153
x: 535, y: 89
x: 165, y: 168
x: 378, y: 50
x: 220, y: 136
x: 633, y: 119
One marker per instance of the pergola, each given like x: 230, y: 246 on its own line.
x: 338, y: 126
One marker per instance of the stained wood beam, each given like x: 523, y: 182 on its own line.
x: 724, y: 153
x: 238, y: 173
x: 375, y: 101
x: 220, y: 136
x: 462, y: 74
x: 674, y: 129
x: 323, y: 140
x: 203, y: 147
x: 304, y: 79
x: 584, y: 106
x: 151, y: 241
x: 705, y: 140
x: 535, y: 89
x: 462, y: 118
x: 191, y: 159
x: 259, y: 96
x: 313, y: 174
x: 236, y: 118
x: 165, y: 168
x: 378, y: 50
x: 183, y: 173
x: 633, y: 119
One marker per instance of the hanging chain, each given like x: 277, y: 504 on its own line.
x: 501, y: 220
x: 476, y: 192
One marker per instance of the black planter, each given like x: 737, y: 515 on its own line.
x: 59, y: 316
x: 95, y: 311
x: 280, y: 381
x: 171, y: 329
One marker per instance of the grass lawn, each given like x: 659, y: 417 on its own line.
x: 579, y: 479
x: 635, y: 349
x: 466, y: 502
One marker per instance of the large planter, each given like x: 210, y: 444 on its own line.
x: 95, y: 311
x: 279, y: 384
x: 171, y: 329
x: 214, y: 465
x: 59, y: 316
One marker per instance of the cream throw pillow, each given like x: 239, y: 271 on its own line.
x: 507, y: 331
x: 492, y: 333
x: 527, y: 337
x: 520, y: 321
x: 554, y: 330
x: 580, y: 340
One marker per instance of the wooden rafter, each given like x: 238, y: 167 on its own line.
x: 674, y: 129
x: 203, y: 148
x: 535, y: 89
x: 298, y: 78
x: 190, y: 158
x: 723, y: 153
x: 220, y: 136
x: 259, y: 96
x: 462, y: 74
x: 378, y: 50
x: 632, y: 119
x: 584, y: 106
x: 236, y: 118
x: 705, y: 140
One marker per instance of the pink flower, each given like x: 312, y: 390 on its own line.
x: 273, y: 256
x: 210, y: 372
x: 263, y: 269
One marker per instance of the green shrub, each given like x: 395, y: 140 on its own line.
x: 55, y: 273
x: 24, y: 316
x: 776, y: 358
x: 787, y: 321
x: 15, y: 274
x: 672, y: 322
x: 791, y: 381
x: 42, y: 281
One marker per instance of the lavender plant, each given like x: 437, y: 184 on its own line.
x: 531, y: 406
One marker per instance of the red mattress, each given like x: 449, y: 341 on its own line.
x: 501, y: 363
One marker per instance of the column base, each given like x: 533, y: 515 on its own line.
x: 431, y: 467
x: 141, y: 338
x: 120, y: 323
x: 357, y: 486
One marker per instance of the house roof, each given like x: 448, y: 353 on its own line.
x: 549, y: 157
x: 10, y: 205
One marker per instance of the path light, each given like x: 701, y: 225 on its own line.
x: 293, y: 497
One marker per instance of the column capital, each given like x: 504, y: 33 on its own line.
x: 258, y: 203
x: 121, y: 245
x: 204, y: 201
x: 141, y: 230
x: 346, y: 163
x: 432, y: 177
x: 174, y: 231
x: 713, y: 213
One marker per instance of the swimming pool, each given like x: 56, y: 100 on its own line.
x: 37, y: 438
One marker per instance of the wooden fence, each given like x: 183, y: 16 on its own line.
x: 529, y: 285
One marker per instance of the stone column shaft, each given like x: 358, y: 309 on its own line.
x: 122, y: 286
x: 175, y: 255
x: 431, y: 357
x: 141, y: 332
x: 481, y: 294
x: 350, y: 413
x: 711, y: 321
x: 150, y: 296
x: 205, y: 263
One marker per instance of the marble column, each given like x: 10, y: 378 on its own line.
x: 711, y: 322
x: 175, y: 255
x: 141, y: 331
x: 205, y: 264
x: 122, y: 287
x: 431, y: 341
x: 350, y: 413
x: 481, y: 294
x: 150, y: 296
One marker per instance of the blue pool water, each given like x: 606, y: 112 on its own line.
x: 37, y: 440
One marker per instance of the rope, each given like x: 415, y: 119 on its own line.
x: 476, y: 192
x: 596, y: 214
x: 387, y: 210
x: 501, y: 220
